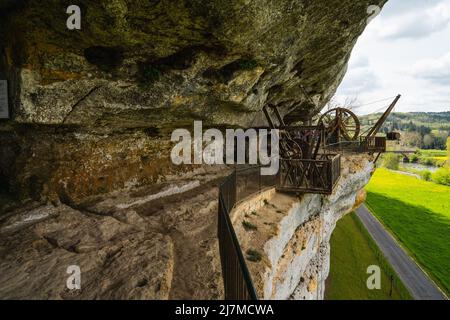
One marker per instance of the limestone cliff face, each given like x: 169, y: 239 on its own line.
x: 92, y: 109
x: 292, y: 234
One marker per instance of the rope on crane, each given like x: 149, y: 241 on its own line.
x: 373, y: 102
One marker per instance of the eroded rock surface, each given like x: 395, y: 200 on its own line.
x: 151, y: 243
x: 115, y: 259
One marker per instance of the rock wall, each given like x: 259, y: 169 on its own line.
x: 92, y: 109
x: 292, y: 235
x: 159, y: 241
x: 154, y: 242
x: 85, y: 173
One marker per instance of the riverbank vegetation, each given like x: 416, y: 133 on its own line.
x: 431, y: 165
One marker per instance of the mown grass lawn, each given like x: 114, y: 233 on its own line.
x: 352, y: 251
x: 433, y: 153
x: 417, y: 212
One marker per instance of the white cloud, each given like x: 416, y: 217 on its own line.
x: 359, y: 62
x: 359, y: 78
x: 434, y: 70
x: 413, y: 24
x: 416, y: 66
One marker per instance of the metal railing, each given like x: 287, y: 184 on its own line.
x: 362, y: 145
x: 241, y: 184
x: 310, y: 176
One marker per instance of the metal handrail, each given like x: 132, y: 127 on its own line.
x: 236, y: 276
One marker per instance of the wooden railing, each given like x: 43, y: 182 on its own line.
x: 309, y: 176
x: 335, y: 170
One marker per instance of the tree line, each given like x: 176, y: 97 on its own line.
x: 424, y: 130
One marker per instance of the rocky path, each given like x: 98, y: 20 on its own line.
x: 190, y: 219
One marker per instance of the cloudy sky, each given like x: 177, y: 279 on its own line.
x: 405, y: 49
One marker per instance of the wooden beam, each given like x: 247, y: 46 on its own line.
x: 374, y: 130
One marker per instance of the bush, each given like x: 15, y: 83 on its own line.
x: 253, y: 255
x: 438, y: 162
x: 391, y: 161
x: 427, y: 161
x: 432, y: 161
x: 414, y: 158
x: 442, y: 176
x: 249, y: 226
x: 425, y: 175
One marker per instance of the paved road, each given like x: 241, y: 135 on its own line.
x: 417, y: 282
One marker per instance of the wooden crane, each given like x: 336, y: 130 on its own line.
x: 302, y: 168
x: 377, y: 126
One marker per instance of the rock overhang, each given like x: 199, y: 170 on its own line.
x: 219, y: 61
x: 94, y: 108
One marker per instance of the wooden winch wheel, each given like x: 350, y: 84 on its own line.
x: 342, y: 123
x: 292, y: 149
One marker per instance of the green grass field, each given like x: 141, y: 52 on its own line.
x: 352, y: 251
x: 433, y: 153
x: 417, y: 212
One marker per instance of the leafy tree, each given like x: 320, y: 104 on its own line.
x: 441, y: 134
x: 426, y: 175
x: 428, y: 141
x: 423, y: 130
x: 442, y: 176
x: 412, y: 139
